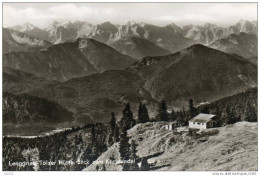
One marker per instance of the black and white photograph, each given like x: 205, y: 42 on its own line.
x: 130, y: 86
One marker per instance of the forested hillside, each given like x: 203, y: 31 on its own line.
x: 239, y: 107
x: 23, y: 108
x: 79, y: 145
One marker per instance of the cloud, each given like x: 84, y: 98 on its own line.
x: 60, y: 12
x: 187, y: 17
x: 67, y: 10
x: 222, y: 14
x: 12, y: 16
x: 42, y: 14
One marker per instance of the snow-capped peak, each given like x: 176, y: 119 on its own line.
x: 246, y: 26
x: 66, y: 24
x: 142, y: 24
x: 27, y: 39
x: 242, y: 22
x: 131, y: 23
x: 209, y: 25
x: 173, y: 25
x: 54, y: 24
x: 27, y: 27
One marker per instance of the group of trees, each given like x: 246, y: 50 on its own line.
x: 118, y: 133
x: 229, y: 110
x: 232, y: 109
x: 181, y: 116
x: 128, y: 151
x: 78, y: 144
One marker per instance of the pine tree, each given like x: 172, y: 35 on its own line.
x: 191, y: 109
x: 162, y: 112
x: 219, y: 121
x: 251, y: 115
x: 173, y: 115
x: 116, y: 134
x: 181, y: 118
x: 178, y: 119
x: 112, y: 122
x: 87, y: 154
x: 205, y: 110
x: 124, y: 147
x: 110, y: 140
x: 140, y: 113
x: 144, y: 164
x: 186, y: 117
x: 228, y: 111
x: 127, y: 120
x: 94, y: 149
x: 231, y: 119
x: 145, y: 114
x: 112, y: 125
x: 104, y: 167
x: 133, y: 156
x: 239, y: 118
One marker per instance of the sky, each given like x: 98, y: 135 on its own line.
x: 42, y: 14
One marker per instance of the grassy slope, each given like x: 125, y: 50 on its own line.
x: 233, y: 148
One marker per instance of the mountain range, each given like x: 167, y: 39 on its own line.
x: 60, y: 32
x: 170, y: 37
x: 69, y: 89
x: 71, y: 59
x: 14, y: 41
x: 209, y: 32
x: 92, y: 70
x: 242, y: 44
x: 90, y: 98
x: 138, y: 47
x: 197, y: 72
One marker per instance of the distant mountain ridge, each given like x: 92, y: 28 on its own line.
x: 164, y: 37
x: 139, y: 40
x: 71, y: 59
x: 14, y: 41
x: 209, y: 32
x: 138, y: 47
x: 242, y: 44
x: 30, y: 29
x: 197, y: 72
x: 107, y: 32
x: 85, y: 75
